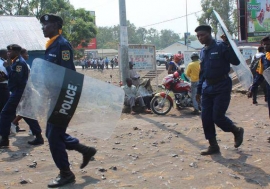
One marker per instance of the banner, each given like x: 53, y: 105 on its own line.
x: 142, y: 56
x: 258, y: 19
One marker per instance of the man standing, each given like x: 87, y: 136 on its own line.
x: 17, y: 79
x: 214, y: 88
x: 264, y: 63
x: 253, y: 68
x: 193, y: 71
x: 59, y: 51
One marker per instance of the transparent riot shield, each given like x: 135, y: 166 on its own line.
x: 266, y: 75
x: 61, y: 96
x: 242, y: 71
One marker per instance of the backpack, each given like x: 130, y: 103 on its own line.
x: 254, y: 64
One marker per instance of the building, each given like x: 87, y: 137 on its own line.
x: 101, y: 53
x: 180, y: 46
x: 25, y: 31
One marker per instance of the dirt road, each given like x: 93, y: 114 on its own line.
x: 150, y: 151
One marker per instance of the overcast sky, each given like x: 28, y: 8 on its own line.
x: 143, y: 13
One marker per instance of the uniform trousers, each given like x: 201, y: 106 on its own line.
x: 59, y: 142
x: 9, y: 112
x: 4, y: 95
x: 214, y: 107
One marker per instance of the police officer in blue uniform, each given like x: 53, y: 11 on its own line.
x: 59, y: 51
x: 214, y: 88
x: 3, y: 79
x: 17, y: 79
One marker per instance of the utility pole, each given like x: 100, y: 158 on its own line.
x: 187, y: 27
x: 124, y: 65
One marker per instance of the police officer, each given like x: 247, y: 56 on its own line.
x: 214, y: 88
x: 3, y: 79
x: 17, y: 79
x: 59, y: 51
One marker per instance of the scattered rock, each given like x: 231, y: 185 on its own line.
x: 103, y: 177
x: 102, y: 170
x: 113, y: 168
x: 194, y: 165
x: 23, y: 181
x: 33, y: 165
x: 234, y: 176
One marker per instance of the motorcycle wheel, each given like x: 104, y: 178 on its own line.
x: 160, y: 105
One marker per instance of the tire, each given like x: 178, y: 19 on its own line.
x: 156, y: 105
x: 158, y: 63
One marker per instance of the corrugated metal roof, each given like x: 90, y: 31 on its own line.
x: 21, y: 30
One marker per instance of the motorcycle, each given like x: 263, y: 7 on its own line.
x: 162, y: 102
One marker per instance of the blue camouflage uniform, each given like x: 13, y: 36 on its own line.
x: 60, y: 53
x: 215, y: 86
x: 3, y: 86
x: 17, y: 79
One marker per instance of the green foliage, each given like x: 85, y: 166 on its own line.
x: 108, y: 37
x: 227, y: 11
x: 78, y: 24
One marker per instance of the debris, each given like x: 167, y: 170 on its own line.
x: 113, y: 168
x: 193, y: 164
x: 234, y: 176
x: 23, y: 182
x: 33, y: 165
x: 102, y: 170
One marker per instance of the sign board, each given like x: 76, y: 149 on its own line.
x: 142, y: 56
x: 258, y: 19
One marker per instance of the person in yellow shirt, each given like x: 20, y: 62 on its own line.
x: 193, y: 71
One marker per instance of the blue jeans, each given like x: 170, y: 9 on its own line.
x: 193, y: 94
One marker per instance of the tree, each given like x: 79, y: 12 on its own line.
x: 141, y: 34
x: 168, y: 37
x: 78, y: 24
x: 81, y: 28
x: 225, y: 8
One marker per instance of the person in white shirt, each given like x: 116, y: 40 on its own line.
x: 146, y: 92
x: 131, y: 97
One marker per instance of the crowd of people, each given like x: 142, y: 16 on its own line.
x: 99, y: 63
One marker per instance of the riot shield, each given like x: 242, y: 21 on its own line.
x: 242, y: 71
x: 64, y: 97
x: 266, y: 75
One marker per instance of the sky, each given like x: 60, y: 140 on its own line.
x: 146, y: 13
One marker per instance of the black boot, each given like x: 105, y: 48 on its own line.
x: 4, y: 143
x: 37, y: 141
x: 65, y: 177
x: 238, y: 133
x: 87, y: 152
x: 212, y: 149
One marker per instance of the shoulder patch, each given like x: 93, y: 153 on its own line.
x: 18, y: 68
x: 66, y: 55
